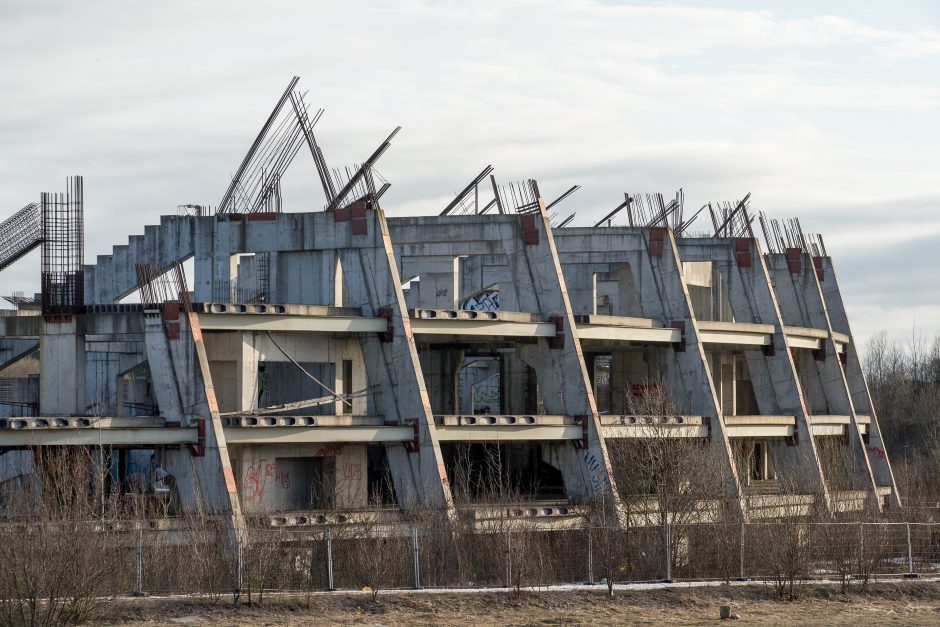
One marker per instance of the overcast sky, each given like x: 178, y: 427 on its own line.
x: 825, y: 111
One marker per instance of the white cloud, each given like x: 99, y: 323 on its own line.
x: 823, y: 116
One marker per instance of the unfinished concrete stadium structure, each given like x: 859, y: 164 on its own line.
x: 331, y: 362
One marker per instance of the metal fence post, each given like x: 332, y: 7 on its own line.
x: 668, y: 551
x: 508, y: 558
x: 329, y: 560
x: 590, y: 557
x: 910, y: 552
x: 139, y: 559
x: 741, y: 573
x: 861, y: 544
x: 239, y: 567
x: 417, y: 568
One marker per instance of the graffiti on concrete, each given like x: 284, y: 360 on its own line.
x: 259, y: 477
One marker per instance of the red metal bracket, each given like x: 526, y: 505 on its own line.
x: 360, y: 226
x: 742, y: 252
x: 820, y: 271
x: 794, y: 258
x: 530, y: 231
x: 558, y: 340
x: 657, y: 241
x: 199, y: 449
x: 57, y: 318
x: 261, y: 216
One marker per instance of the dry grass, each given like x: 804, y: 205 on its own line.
x: 904, y: 602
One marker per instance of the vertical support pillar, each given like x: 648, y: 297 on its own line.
x: 539, y: 287
x: 744, y: 272
x: 855, y: 377
x: 665, y: 297
x: 393, y: 369
x: 62, y: 367
x: 798, y: 291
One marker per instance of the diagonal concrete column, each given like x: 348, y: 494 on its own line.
x: 538, y: 286
x: 185, y: 393
x: 801, y: 303
x: 396, y: 381
x: 665, y: 297
x: 855, y: 377
x: 773, y: 371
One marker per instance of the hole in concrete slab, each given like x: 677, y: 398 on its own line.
x: 471, y: 315
x: 532, y: 512
x: 321, y: 519
x: 4, y: 424
x: 260, y: 309
x: 18, y: 424
x: 489, y: 315
x: 84, y: 422
x: 516, y: 512
x: 490, y: 420
x: 270, y: 421
x: 510, y: 420
x: 279, y: 309
x: 562, y: 511
x: 290, y: 422
x: 41, y: 422
x: 529, y: 420
x: 251, y: 422
x: 680, y: 420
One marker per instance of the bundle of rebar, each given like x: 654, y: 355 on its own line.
x: 20, y: 233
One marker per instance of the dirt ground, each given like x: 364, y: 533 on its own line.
x: 902, y: 603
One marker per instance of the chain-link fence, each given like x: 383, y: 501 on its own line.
x: 198, y: 561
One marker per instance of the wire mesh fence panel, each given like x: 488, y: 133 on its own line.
x: 706, y: 551
x: 925, y: 548
x: 441, y: 561
x: 300, y: 562
x: 192, y: 560
x: 542, y: 557
x: 382, y: 562
x: 484, y: 557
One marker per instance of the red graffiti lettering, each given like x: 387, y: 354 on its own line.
x: 877, y: 452
x: 256, y: 479
x: 330, y: 450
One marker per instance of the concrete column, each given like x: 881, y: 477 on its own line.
x: 855, y: 376
x: 203, y: 261
x: 539, y: 287
x: 664, y: 297
x: 801, y: 302
x: 742, y: 270
x: 62, y: 368
x: 396, y: 380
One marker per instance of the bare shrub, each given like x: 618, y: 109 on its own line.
x: 54, y: 553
